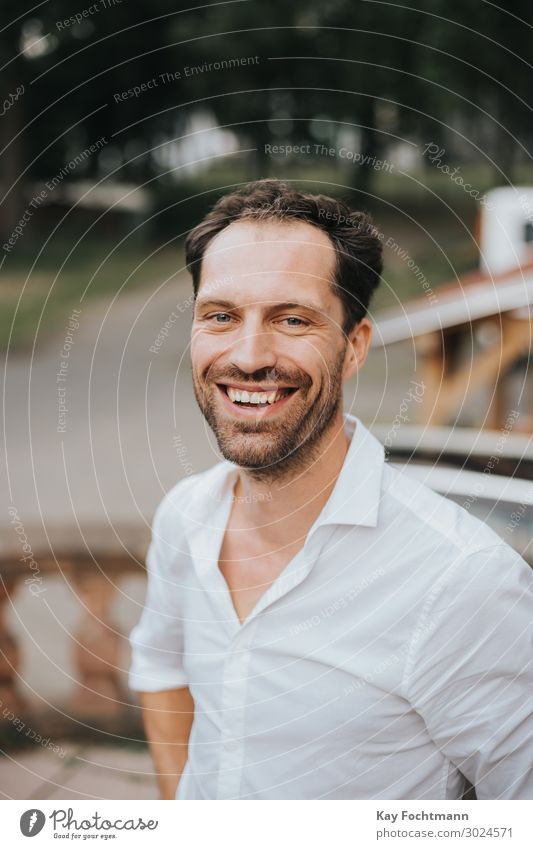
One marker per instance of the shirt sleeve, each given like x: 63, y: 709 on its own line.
x: 157, y: 640
x: 470, y: 674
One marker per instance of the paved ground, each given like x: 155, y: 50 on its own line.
x: 82, y: 772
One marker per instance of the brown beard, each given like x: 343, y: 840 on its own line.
x: 269, y: 450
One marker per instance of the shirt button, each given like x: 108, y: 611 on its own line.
x: 231, y: 745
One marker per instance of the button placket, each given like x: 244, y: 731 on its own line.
x: 233, y: 708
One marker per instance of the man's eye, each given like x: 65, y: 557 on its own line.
x: 294, y: 321
x: 223, y: 315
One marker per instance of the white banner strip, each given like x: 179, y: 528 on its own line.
x: 269, y: 824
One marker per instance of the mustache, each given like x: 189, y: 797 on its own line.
x: 264, y: 375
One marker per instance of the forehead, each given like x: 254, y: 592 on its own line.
x: 281, y: 257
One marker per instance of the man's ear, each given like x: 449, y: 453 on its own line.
x: 359, y: 339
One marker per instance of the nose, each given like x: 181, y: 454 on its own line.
x: 253, y: 350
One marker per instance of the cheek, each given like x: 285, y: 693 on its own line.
x: 312, y: 357
x: 327, y: 371
x: 204, y: 350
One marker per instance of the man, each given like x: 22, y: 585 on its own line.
x: 318, y: 625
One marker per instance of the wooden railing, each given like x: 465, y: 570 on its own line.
x: 91, y: 562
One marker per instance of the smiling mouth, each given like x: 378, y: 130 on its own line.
x: 257, y: 400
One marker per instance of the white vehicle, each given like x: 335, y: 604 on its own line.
x: 506, y: 229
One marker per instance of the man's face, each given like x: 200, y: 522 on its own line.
x: 266, y: 322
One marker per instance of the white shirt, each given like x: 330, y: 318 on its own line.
x: 391, y: 655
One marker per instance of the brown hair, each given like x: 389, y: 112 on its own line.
x: 357, y: 242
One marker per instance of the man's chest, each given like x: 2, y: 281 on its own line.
x: 332, y: 609
x: 309, y: 680
x: 250, y: 568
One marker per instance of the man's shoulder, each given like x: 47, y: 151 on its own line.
x: 428, y: 512
x: 463, y: 557
x: 190, y: 499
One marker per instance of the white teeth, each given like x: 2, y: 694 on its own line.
x: 255, y: 397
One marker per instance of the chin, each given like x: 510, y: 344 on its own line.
x: 248, y: 456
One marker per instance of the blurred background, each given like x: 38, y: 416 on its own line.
x: 121, y: 123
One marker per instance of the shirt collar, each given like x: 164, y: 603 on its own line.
x: 356, y: 495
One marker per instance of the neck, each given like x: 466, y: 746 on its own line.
x: 282, y: 509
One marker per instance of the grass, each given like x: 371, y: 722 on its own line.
x: 34, y: 301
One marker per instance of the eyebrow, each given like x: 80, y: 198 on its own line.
x: 289, y: 305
